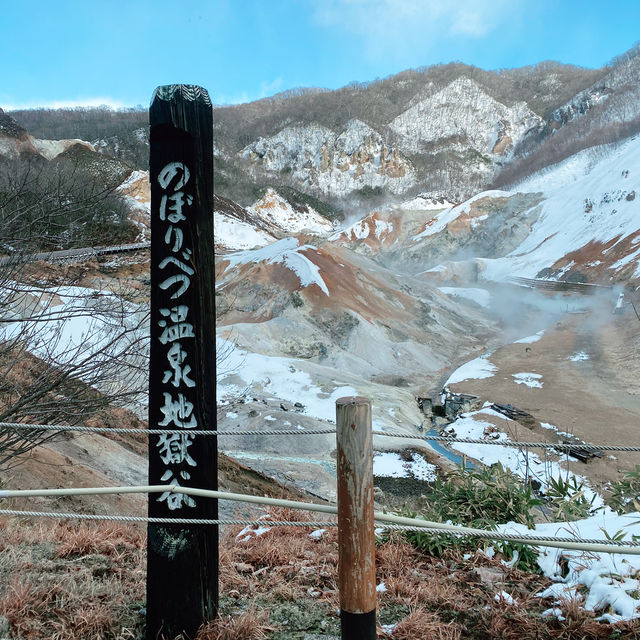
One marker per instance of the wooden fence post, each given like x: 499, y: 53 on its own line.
x: 182, y: 560
x: 356, y: 538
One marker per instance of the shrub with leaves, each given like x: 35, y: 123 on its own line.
x: 625, y: 494
x: 567, y: 499
x: 481, y: 498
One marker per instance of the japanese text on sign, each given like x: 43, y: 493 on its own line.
x: 177, y: 336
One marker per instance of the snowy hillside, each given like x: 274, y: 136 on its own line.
x: 589, y: 220
x: 489, y: 127
x: 274, y: 209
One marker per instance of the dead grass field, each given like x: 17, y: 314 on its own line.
x: 86, y: 582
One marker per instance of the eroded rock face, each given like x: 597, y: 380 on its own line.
x: 458, y: 136
x: 334, y: 164
x: 9, y: 128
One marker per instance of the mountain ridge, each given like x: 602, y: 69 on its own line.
x: 552, y: 96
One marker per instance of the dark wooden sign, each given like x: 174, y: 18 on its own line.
x: 182, y: 560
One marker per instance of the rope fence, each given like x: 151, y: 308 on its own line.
x: 384, y: 520
x: 559, y: 446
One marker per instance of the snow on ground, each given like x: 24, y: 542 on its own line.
x: 51, y: 149
x: 479, y: 296
x: 391, y: 465
x: 612, y: 581
x: 578, y: 356
x: 135, y: 176
x: 551, y: 427
x: 530, y: 339
x: 533, y: 380
x: 521, y: 463
x: 385, y: 227
x: 81, y: 327
x: 275, y: 209
x: 440, y: 221
x: 421, y: 203
x: 357, y: 231
x: 287, y: 252
x: 235, y: 234
x: 591, y: 196
x: 68, y: 321
x: 279, y: 377
x: 472, y: 370
x: 503, y: 596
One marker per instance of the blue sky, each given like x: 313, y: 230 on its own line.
x: 116, y: 52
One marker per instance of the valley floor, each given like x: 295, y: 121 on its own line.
x: 585, y: 384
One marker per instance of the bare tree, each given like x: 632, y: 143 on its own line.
x: 66, y: 353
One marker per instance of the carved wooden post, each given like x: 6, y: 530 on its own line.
x: 356, y: 541
x: 182, y: 560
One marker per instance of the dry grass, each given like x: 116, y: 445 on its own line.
x: 71, y: 582
x: 114, y: 540
x: 423, y: 624
x: 86, y: 582
x: 250, y: 625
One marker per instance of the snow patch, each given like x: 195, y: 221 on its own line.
x: 278, y: 377
x: 530, y: 339
x: 579, y: 356
x: 533, y: 380
x: 390, y: 464
x: 288, y: 252
x: 473, y: 370
x: 236, y: 234
x: 276, y: 210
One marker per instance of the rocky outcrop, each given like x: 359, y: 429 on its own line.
x: 333, y: 164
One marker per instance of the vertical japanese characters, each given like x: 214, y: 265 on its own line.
x: 177, y: 335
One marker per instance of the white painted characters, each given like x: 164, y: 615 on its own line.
x: 178, y: 412
x: 177, y: 334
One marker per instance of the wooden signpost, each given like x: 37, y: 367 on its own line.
x: 356, y: 538
x: 182, y: 559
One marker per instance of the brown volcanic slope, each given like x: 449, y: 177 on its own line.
x: 395, y: 309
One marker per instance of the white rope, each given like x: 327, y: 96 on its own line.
x: 565, y: 446
x: 152, y: 520
x: 147, y: 432
x: 601, y: 546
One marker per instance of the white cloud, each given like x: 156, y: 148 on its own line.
x: 390, y: 28
x: 65, y: 104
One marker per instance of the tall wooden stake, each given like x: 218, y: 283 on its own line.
x: 182, y: 560
x: 356, y: 541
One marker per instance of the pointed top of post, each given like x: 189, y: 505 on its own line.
x: 188, y: 92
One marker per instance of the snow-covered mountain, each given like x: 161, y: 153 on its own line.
x: 485, y: 125
x: 449, y: 130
